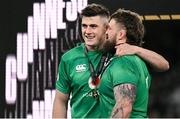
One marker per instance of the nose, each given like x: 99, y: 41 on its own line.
x: 88, y: 30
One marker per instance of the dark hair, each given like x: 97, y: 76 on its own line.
x: 132, y: 23
x: 95, y: 10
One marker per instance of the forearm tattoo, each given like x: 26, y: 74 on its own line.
x: 125, y: 95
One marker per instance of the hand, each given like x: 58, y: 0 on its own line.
x: 125, y: 49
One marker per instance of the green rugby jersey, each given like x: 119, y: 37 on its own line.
x: 131, y: 69
x: 73, y: 77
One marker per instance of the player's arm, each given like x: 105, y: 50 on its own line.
x: 155, y: 60
x: 124, y: 95
x: 60, y: 105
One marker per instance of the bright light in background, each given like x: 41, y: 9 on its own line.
x: 22, y: 64
x: 47, y: 18
x: 11, y: 81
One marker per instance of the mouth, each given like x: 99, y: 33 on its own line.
x: 89, y: 37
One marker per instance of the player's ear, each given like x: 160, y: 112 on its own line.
x: 122, y: 36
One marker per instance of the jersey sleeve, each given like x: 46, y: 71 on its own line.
x: 63, y: 81
x: 123, y: 73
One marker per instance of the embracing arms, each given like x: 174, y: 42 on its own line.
x: 157, y: 62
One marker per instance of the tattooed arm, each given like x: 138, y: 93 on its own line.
x: 125, y: 96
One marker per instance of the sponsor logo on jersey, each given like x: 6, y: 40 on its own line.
x: 81, y: 68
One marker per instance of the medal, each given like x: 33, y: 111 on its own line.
x: 95, y: 94
x: 94, y: 83
x: 95, y: 75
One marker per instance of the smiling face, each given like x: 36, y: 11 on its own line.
x: 93, y: 31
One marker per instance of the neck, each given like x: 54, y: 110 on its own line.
x: 119, y: 42
x: 91, y: 48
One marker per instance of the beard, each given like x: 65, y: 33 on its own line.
x: 109, y: 46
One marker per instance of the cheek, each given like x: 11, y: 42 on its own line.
x: 113, y: 34
x: 82, y: 32
x: 109, y: 35
x: 102, y: 36
x: 99, y: 34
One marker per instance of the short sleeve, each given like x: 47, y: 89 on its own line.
x: 63, y: 81
x: 122, y: 77
x: 123, y: 72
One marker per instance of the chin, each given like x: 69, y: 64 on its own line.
x: 89, y: 44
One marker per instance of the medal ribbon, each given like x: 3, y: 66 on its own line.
x: 102, y: 65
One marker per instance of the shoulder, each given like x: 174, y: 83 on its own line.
x: 74, y: 53
x: 124, y: 70
x: 128, y: 62
x: 127, y: 59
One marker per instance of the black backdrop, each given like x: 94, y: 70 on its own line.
x: 161, y: 36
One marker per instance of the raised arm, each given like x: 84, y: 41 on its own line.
x: 155, y: 60
x: 60, y: 105
x: 124, y: 95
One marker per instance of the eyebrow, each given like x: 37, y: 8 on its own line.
x: 91, y: 25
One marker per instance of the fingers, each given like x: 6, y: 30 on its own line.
x: 124, y: 49
x: 118, y: 52
x: 119, y: 49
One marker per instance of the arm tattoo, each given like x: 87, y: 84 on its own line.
x: 125, y: 96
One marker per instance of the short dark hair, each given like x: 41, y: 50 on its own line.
x: 95, y: 10
x: 132, y: 23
